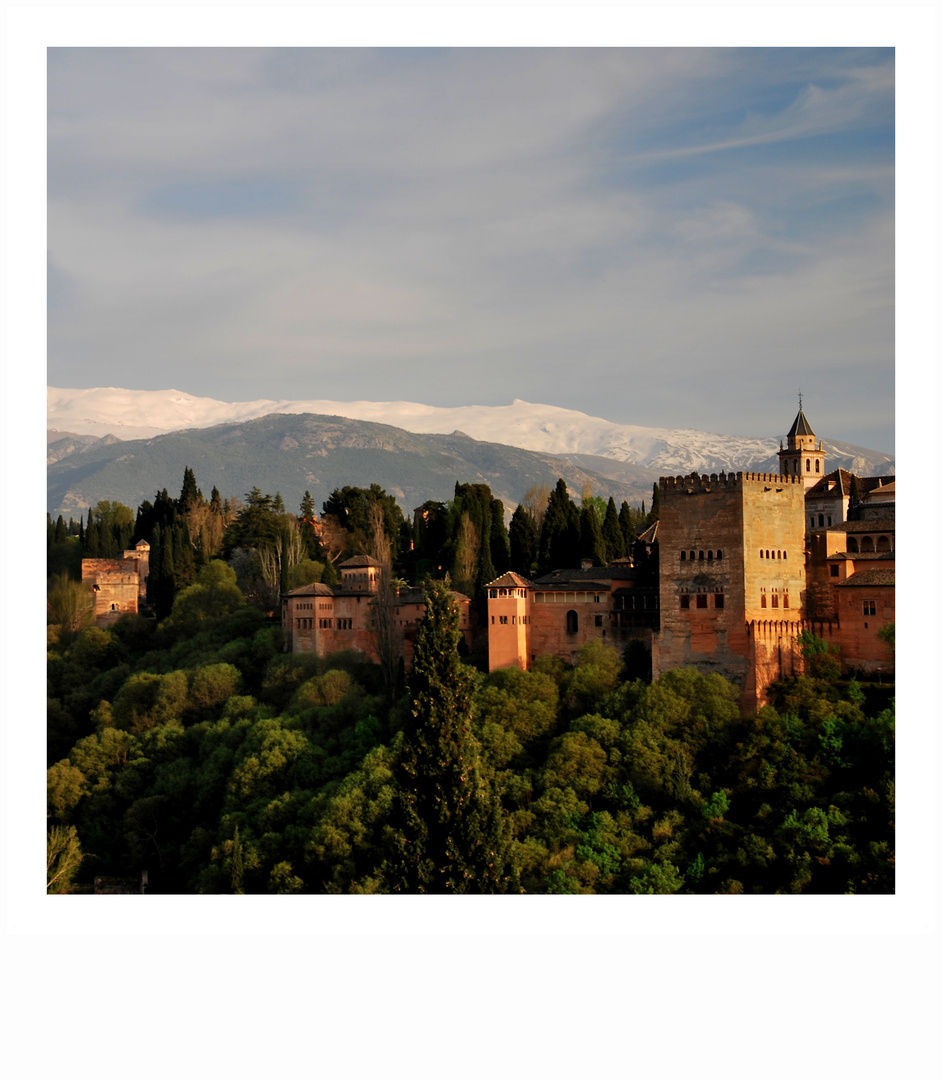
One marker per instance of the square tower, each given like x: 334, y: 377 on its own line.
x: 732, y: 577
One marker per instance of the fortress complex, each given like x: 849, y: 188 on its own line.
x: 744, y: 563
x: 117, y: 585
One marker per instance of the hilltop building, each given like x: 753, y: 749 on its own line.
x: 355, y: 614
x: 117, y: 585
x: 745, y: 563
x: 736, y: 567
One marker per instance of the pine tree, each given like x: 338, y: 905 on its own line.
x: 449, y: 830
x: 190, y: 494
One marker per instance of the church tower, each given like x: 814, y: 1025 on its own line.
x: 804, y: 456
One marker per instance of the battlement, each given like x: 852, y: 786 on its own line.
x: 696, y: 483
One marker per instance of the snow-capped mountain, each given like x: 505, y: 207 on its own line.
x: 135, y: 414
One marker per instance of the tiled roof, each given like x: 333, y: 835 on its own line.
x: 878, y: 576
x: 842, y: 481
x: 316, y: 588
x: 801, y: 425
x: 510, y: 580
x: 868, y: 525
x: 595, y: 574
x: 359, y: 561
x: 863, y: 556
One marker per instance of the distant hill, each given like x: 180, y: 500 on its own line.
x: 545, y: 429
x: 297, y: 453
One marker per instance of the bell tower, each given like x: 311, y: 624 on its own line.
x: 803, y: 456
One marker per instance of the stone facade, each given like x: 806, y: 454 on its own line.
x: 117, y: 585
x: 322, y: 619
x: 745, y: 563
x: 732, y: 576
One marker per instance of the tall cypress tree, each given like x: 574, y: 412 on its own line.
x: 523, y: 541
x: 611, y: 533
x: 449, y: 832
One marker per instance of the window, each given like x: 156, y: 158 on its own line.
x: 817, y: 465
x: 701, y: 600
x: 761, y: 554
x: 719, y: 554
x: 718, y: 600
x: 572, y: 622
x: 774, y: 599
x: 684, y: 602
x: 762, y: 603
x: 785, y: 599
x: 807, y: 464
x: 829, y: 519
x: 869, y: 607
x: 598, y: 620
x: 820, y: 519
x: 835, y: 570
x: 503, y: 620
x: 683, y: 556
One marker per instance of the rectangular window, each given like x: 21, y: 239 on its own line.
x: 869, y: 607
x: 718, y: 600
x: 684, y: 602
x: 774, y: 599
x: 598, y: 620
x: 701, y: 600
x: 835, y: 570
x: 503, y: 620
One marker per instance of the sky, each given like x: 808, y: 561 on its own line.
x: 677, y: 237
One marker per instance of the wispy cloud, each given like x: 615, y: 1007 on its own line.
x: 639, y: 234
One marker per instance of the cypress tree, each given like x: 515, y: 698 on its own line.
x: 591, y: 544
x: 60, y: 534
x: 523, y: 541
x: 499, y: 540
x: 449, y: 831
x: 612, y: 534
x: 92, y: 545
x: 627, y: 524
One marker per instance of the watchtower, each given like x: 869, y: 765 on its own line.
x: 732, y: 576
x: 803, y: 456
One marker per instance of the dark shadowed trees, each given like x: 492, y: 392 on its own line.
x: 449, y: 832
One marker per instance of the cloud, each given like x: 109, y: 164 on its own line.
x: 470, y: 225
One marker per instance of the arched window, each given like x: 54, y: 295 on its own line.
x: 784, y: 554
x: 867, y: 544
x: 817, y: 465
x: 693, y: 555
x: 709, y: 556
x: 719, y: 554
x: 683, y: 556
x: 883, y: 543
x: 852, y: 544
x: 778, y: 554
x: 572, y: 622
x: 807, y: 464
x: 700, y: 557
x: 820, y: 519
x: 761, y: 554
x: 763, y: 600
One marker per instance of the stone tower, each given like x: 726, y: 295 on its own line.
x: 508, y: 622
x: 803, y: 456
x: 732, y: 577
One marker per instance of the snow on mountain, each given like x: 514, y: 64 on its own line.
x: 136, y: 414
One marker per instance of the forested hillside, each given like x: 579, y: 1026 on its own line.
x: 183, y: 741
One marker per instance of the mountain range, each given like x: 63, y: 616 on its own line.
x: 127, y: 444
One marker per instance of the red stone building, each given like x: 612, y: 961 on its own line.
x: 322, y: 619
x: 117, y: 585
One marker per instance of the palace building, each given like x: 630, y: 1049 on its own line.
x: 745, y: 563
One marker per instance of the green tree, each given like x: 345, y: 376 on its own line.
x: 63, y: 858
x: 70, y: 607
x: 524, y: 540
x: 449, y: 830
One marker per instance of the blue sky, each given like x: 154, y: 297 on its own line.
x: 672, y: 237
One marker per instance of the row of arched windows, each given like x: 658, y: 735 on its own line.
x: 767, y: 554
x: 701, y: 556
